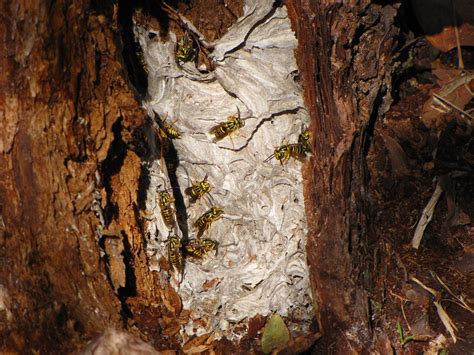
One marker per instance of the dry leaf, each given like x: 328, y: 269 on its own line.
x: 461, y: 218
x: 438, y: 19
x: 201, y: 322
x: 455, y: 93
x: 196, y: 345
x: 421, y: 328
x: 303, y: 343
x: 466, y: 263
x: 446, y: 40
x: 164, y: 264
x: 398, y: 158
x: 445, y: 319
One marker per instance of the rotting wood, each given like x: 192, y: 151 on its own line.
x: 62, y: 90
x: 345, y: 81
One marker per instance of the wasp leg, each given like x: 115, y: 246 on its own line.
x: 210, y: 199
x: 230, y: 137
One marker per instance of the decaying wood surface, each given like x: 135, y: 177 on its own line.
x: 66, y: 108
x: 345, y: 92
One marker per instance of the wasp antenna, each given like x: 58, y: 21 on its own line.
x: 238, y: 111
x: 208, y: 199
x: 187, y: 174
x: 268, y: 159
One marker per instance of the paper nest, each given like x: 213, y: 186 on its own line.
x: 260, y: 267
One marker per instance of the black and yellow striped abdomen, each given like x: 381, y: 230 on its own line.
x: 165, y: 200
x: 225, y: 129
x: 198, y: 189
x: 204, y: 222
x: 174, y: 253
x: 198, y: 248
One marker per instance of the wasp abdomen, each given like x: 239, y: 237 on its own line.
x: 165, y: 200
x: 199, y: 248
x: 204, y: 222
x: 174, y: 253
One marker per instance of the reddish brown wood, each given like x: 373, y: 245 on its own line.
x: 62, y: 90
x: 343, y: 77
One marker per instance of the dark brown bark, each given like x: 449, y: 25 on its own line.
x: 345, y: 93
x: 63, y: 94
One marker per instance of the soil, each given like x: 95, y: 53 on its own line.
x: 398, y: 198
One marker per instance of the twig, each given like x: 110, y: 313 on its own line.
x: 460, y: 299
x: 399, y: 297
x: 429, y: 289
x: 404, y: 316
x: 449, y: 103
x: 426, y: 216
x: 447, y: 322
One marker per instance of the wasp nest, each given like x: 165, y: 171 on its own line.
x: 259, y: 266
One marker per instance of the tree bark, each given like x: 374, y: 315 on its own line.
x: 344, y: 58
x: 67, y: 116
